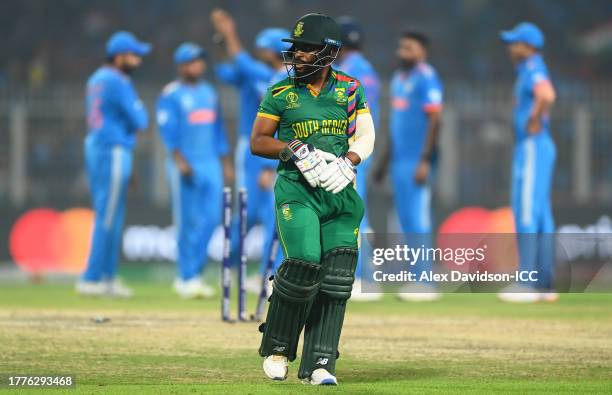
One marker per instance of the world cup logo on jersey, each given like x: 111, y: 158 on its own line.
x: 292, y: 99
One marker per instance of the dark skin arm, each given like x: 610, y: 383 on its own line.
x: 422, y: 172
x: 264, y: 144
x: 228, y: 169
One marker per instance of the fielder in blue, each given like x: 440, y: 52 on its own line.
x: 353, y: 62
x: 416, y: 106
x: 533, y: 163
x: 252, y: 77
x: 191, y: 127
x: 114, y: 115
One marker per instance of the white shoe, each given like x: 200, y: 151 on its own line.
x: 275, y: 367
x: 519, y: 294
x: 253, y: 284
x: 419, y: 292
x: 549, y: 297
x: 193, y: 289
x: 358, y: 296
x: 321, y: 377
x: 117, y: 289
x: 91, y: 288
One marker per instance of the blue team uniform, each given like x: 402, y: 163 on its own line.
x: 114, y: 115
x: 190, y: 121
x: 414, y: 94
x: 532, y: 173
x: 356, y: 65
x: 252, y: 78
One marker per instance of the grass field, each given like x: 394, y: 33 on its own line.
x: 156, y: 343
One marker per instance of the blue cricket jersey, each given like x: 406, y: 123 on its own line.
x: 113, y: 109
x: 356, y: 65
x: 252, y: 78
x: 530, y: 73
x: 189, y: 118
x: 414, y: 94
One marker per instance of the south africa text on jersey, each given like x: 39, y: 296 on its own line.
x: 304, y: 129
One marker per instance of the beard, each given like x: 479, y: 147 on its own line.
x: 309, y: 74
x: 127, y: 68
x: 406, y: 64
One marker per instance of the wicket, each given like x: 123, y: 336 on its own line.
x: 226, y: 281
x: 242, y: 266
x: 226, y: 275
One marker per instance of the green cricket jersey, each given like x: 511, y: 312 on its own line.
x: 325, y: 120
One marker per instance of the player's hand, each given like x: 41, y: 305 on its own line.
x: 422, y: 172
x: 337, y: 175
x: 266, y: 179
x: 229, y: 173
x: 310, y: 161
x: 182, y: 164
x: 380, y: 173
x: 533, y: 124
x: 222, y: 22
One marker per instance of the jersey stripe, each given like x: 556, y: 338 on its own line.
x: 277, y: 91
x: 351, y: 105
x: 269, y: 116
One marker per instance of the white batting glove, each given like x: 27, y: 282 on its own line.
x: 310, y: 161
x: 337, y: 175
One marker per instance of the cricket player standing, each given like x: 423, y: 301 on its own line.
x: 114, y: 114
x: 352, y: 61
x: 191, y: 127
x: 324, y: 129
x: 416, y: 106
x: 252, y: 77
x: 533, y: 163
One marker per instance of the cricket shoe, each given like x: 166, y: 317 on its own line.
x: 193, y: 289
x: 359, y: 296
x: 91, y: 288
x: 276, y: 367
x: 321, y: 377
x: 419, y: 292
x: 519, y: 294
x: 117, y: 289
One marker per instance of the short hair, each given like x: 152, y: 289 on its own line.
x: 417, y: 36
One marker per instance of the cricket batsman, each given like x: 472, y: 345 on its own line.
x: 352, y: 61
x: 323, y: 130
x: 533, y: 163
x: 416, y: 107
x: 191, y: 127
x: 252, y: 76
x: 114, y: 114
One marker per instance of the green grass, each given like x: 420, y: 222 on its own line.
x: 156, y: 343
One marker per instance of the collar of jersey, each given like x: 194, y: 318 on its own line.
x: 330, y: 82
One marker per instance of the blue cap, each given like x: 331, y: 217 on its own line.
x: 350, y: 31
x: 124, y: 42
x: 525, y: 32
x: 270, y: 38
x: 187, y: 52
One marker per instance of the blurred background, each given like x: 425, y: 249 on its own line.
x: 50, y: 48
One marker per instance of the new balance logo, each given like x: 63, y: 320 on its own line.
x: 322, y: 361
x: 279, y: 348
